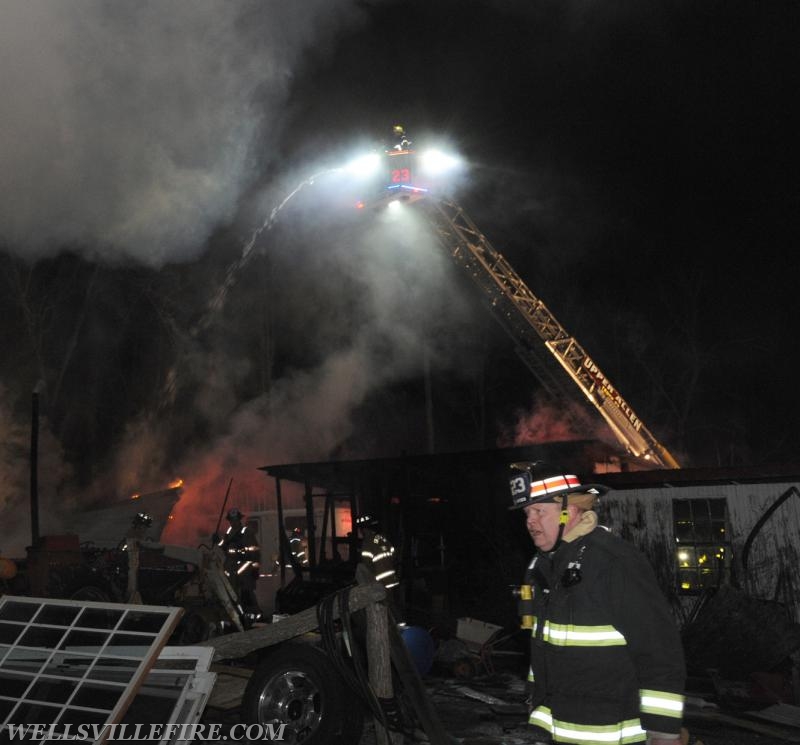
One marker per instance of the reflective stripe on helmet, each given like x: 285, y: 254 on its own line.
x: 553, y: 485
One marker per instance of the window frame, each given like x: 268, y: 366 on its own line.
x: 703, y: 553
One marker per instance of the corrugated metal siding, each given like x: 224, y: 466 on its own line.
x: 644, y: 516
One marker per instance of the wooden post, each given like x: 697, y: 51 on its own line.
x: 415, y: 691
x: 379, y: 661
x: 282, y: 557
x: 34, y: 470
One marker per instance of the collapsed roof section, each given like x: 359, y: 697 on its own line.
x: 105, y: 527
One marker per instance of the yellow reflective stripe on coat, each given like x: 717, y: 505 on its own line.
x: 661, y: 703
x: 569, y: 635
x: 628, y: 731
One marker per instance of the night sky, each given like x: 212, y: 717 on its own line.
x: 634, y: 161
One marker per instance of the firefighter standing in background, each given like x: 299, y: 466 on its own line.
x: 131, y: 546
x: 377, y: 552
x: 297, y: 549
x: 606, y: 658
x: 242, y: 551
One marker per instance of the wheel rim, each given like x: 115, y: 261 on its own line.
x: 291, y: 698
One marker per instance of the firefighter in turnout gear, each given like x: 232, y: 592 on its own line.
x: 297, y: 549
x: 240, y: 546
x: 134, y: 538
x: 377, y: 552
x: 399, y: 138
x: 606, y: 658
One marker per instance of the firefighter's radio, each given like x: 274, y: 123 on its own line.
x: 525, y: 605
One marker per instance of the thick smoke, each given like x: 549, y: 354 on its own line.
x: 379, y: 294
x: 130, y: 129
x: 131, y: 133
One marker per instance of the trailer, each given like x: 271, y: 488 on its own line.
x: 321, y: 671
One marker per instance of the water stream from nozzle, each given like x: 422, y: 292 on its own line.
x: 218, y: 299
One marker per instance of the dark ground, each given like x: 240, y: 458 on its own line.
x: 475, y: 722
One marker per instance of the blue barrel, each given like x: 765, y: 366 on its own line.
x: 421, y: 647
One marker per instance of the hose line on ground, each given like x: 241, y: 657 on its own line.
x: 355, y: 676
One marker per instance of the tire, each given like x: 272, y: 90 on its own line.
x: 78, y: 583
x: 298, y: 685
x: 90, y: 592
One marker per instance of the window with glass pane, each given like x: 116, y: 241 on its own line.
x: 702, y: 551
x: 65, y: 662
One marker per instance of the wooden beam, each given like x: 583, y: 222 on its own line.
x: 240, y: 644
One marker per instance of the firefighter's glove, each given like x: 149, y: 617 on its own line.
x: 662, y: 738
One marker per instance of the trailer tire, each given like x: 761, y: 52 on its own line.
x: 78, y: 583
x: 297, y: 685
x: 90, y: 592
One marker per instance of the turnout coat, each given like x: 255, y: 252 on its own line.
x: 606, y: 658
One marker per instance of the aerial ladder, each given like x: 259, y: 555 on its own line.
x: 539, y: 338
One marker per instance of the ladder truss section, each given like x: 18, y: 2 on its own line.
x: 534, y: 329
